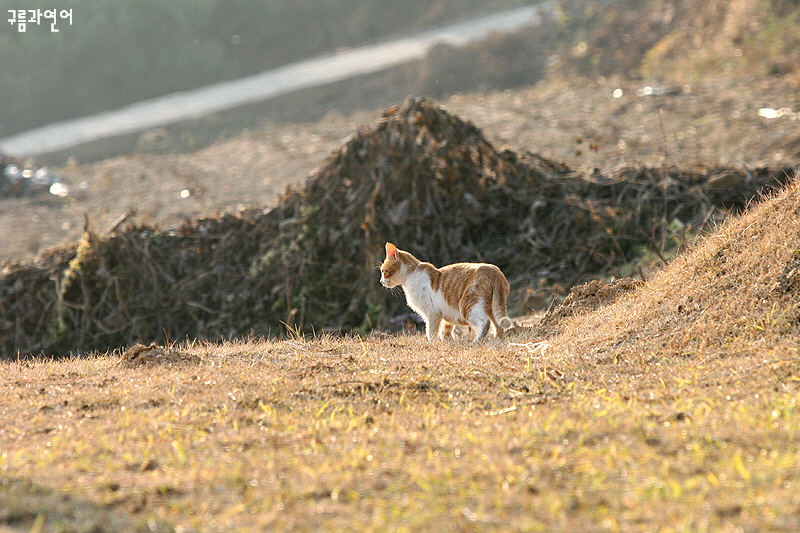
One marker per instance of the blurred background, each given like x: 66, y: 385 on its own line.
x: 595, y: 84
x: 118, y: 53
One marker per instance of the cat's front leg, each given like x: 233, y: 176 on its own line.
x: 432, y: 325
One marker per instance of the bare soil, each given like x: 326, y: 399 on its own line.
x: 606, y: 124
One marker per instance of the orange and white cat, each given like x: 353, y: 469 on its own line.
x: 464, y: 293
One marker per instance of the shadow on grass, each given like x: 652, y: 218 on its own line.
x: 29, y: 506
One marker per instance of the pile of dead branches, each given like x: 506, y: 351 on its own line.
x: 421, y: 178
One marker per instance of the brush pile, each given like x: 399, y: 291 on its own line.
x: 421, y: 178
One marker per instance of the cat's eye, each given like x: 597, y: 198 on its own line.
x: 387, y: 274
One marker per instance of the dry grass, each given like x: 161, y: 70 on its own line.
x: 673, y: 409
x: 395, y: 434
x: 740, y: 38
x: 735, y: 293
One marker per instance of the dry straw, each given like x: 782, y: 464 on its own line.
x: 420, y: 177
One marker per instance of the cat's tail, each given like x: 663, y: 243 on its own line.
x: 499, y: 309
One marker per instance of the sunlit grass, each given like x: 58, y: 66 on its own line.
x: 399, y: 434
x: 673, y: 409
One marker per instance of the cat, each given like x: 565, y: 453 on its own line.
x: 463, y: 293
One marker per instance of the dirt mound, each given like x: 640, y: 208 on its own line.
x: 584, y: 298
x: 141, y: 355
x: 421, y: 178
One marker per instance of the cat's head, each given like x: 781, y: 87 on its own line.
x: 396, y: 266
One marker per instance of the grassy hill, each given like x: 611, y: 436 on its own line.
x: 421, y: 177
x: 673, y: 408
x: 669, y: 404
x: 734, y: 294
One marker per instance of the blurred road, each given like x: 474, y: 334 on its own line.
x: 302, y: 75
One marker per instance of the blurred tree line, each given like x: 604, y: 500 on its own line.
x: 118, y: 52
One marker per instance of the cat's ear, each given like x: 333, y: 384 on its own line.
x: 391, y: 251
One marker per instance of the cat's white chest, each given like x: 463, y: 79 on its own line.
x: 424, y: 300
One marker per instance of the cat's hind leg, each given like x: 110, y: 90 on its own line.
x: 479, y: 320
x: 482, y: 327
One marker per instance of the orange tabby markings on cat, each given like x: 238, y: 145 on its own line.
x: 464, y: 293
